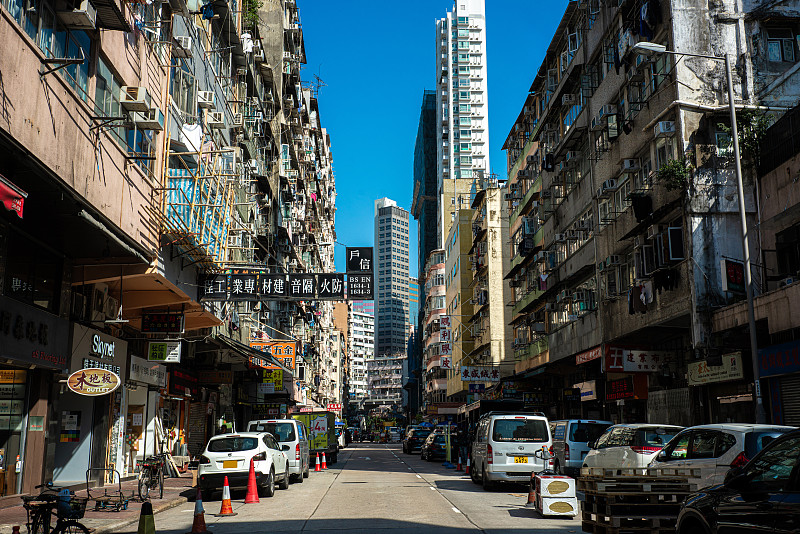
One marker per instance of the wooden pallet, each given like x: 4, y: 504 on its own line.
x: 656, y: 472
x: 594, y: 528
x: 633, y: 486
x: 633, y: 510
x: 635, y: 498
x: 638, y: 522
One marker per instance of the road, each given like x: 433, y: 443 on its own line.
x: 374, y: 488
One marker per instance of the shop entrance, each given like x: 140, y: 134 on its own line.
x: 12, y: 409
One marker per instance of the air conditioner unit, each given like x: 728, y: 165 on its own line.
x: 152, y: 119
x: 641, y: 60
x: 608, y: 109
x: 111, y: 308
x: 237, y: 121
x: 786, y: 281
x: 215, y: 119
x: 546, y: 194
x: 182, y: 46
x: 630, y: 165
x: 258, y: 55
x: 83, y: 17
x: 597, y: 124
x: 613, y: 260
x: 664, y: 129
x: 634, y: 74
x: 569, y: 99
x: 609, y: 185
x: 537, y: 327
x: 653, y: 231
x: 539, y: 257
x: 78, y: 307
x: 560, y: 238
x: 133, y: 98
x: 601, y: 265
x: 206, y: 99
x: 550, y: 306
x: 97, y: 306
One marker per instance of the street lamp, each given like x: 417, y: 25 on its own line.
x: 647, y: 48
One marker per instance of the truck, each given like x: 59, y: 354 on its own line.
x: 321, y: 427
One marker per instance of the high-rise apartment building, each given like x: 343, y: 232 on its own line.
x: 364, y: 306
x: 462, y: 109
x: 362, y: 349
x: 413, y: 299
x: 424, y: 197
x: 391, y: 278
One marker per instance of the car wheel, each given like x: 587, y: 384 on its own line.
x: 691, y: 526
x: 488, y: 485
x: 473, y: 473
x: 284, y: 483
x: 269, y: 487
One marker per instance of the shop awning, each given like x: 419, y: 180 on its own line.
x: 109, y: 16
x: 12, y: 197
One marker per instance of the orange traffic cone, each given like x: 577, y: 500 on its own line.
x: 199, y: 523
x: 532, y: 493
x: 467, y: 471
x: 317, y: 468
x: 458, y: 466
x: 324, y: 463
x: 15, y: 529
x: 252, y: 490
x: 226, y: 509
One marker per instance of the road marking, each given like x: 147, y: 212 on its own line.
x: 456, y: 510
x: 417, y: 475
x: 431, y: 487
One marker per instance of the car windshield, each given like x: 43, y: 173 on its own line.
x: 586, y: 432
x: 281, y: 431
x: 520, y: 430
x: 232, y: 444
x: 656, y: 436
x: 439, y: 439
x: 420, y: 433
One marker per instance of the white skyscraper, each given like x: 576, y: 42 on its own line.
x: 391, y: 278
x: 462, y: 110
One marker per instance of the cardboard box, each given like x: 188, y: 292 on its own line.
x: 555, y: 486
x: 562, y: 506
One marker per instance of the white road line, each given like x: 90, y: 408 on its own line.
x: 456, y: 510
x: 417, y: 475
x: 431, y: 487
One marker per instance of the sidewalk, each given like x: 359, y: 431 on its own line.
x: 176, y: 491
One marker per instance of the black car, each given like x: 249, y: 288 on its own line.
x: 414, y: 438
x: 761, y: 496
x: 435, y: 446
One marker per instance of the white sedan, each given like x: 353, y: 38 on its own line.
x: 229, y: 455
x: 633, y: 445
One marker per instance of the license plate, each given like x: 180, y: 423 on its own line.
x: 520, y: 459
x: 231, y: 464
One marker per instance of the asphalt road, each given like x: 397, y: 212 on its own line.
x: 375, y: 488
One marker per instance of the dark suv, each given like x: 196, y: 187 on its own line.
x: 414, y: 438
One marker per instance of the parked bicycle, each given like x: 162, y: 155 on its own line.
x: 151, y: 476
x: 60, y: 503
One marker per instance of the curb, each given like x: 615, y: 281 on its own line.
x: 156, y: 510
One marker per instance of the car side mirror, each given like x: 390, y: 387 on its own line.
x: 285, y: 448
x: 733, y: 476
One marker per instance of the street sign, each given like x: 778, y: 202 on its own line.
x: 360, y: 286
x: 330, y: 286
x: 359, y: 260
x: 164, y: 351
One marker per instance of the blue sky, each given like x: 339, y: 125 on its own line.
x: 376, y: 62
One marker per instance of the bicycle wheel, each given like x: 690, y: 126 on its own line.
x: 41, y: 523
x: 144, y: 485
x: 70, y: 527
x: 161, y: 483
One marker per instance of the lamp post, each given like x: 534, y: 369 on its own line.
x: 647, y: 48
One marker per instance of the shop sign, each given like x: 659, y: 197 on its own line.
x: 588, y: 390
x: 620, y: 389
x: 359, y: 260
x: 32, y: 335
x: 183, y: 382
x: 571, y: 394
x: 265, y: 388
x: 432, y: 410
x: 306, y: 409
x: 732, y: 276
x: 477, y: 388
x: 534, y: 398
x: 283, y: 351
x: 12, y: 196
x: 699, y: 373
x: 215, y: 377
x: 334, y: 407
x: 779, y: 359
x: 622, y: 360
x: 164, y: 351
x: 273, y: 376
x: 92, y: 349
x: 36, y: 423
x: 361, y: 286
x: 146, y: 372
x: 588, y: 356
x: 479, y: 374
x: 163, y: 323
x: 13, y: 376
x: 93, y: 382
x: 446, y: 362
x: 268, y: 410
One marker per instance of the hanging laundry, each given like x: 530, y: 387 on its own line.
x: 208, y: 11
x: 192, y: 136
x: 644, y: 28
x: 631, y: 309
x: 314, y: 197
x: 647, y: 292
x: 639, y: 300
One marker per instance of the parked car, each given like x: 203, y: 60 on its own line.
x: 289, y: 432
x: 434, y: 446
x: 414, y: 438
x: 395, y: 434
x: 508, y: 447
x: 632, y: 445
x: 229, y: 455
x: 715, y: 449
x: 761, y: 496
x: 571, y: 440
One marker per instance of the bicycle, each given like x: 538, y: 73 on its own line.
x: 59, y: 502
x: 152, y: 476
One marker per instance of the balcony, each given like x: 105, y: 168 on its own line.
x: 437, y: 384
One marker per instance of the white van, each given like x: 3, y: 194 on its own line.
x: 289, y: 432
x: 509, y: 447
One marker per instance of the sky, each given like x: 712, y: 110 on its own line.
x: 375, y: 64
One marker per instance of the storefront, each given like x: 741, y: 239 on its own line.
x: 779, y: 368
x: 589, y: 403
x: 725, y: 394
x: 34, y: 346
x: 91, y: 428
x: 186, y: 415
x: 143, y: 424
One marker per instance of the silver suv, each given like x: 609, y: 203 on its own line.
x: 289, y: 432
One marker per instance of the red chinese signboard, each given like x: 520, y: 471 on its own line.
x: 11, y: 196
x: 334, y: 407
x: 588, y: 356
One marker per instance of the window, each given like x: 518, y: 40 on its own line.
x: 780, y: 45
x: 183, y: 89
x: 32, y: 273
x: 771, y: 472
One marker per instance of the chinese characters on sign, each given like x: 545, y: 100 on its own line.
x: 302, y: 286
x: 283, y: 351
x: 162, y: 323
x: 479, y: 374
x: 93, y: 382
x: 700, y: 372
x: 244, y: 286
x: 330, y: 285
x: 164, y: 351
x: 334, y: 407
x: 446, y: 362
x: 254, y: 286
x: 444, y: 322
x: 359, y: 260
x: 732, y: 276
x: 632, y: 360
x: 620, y: 389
